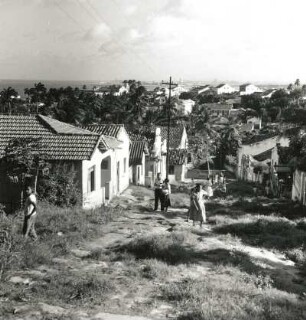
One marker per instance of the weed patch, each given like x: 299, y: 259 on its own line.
x: 170, y: 248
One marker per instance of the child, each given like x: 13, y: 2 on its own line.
x: 166, y: 192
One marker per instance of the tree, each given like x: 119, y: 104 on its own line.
x: 297, y: 82
x: 24, y: 159
x: 6, y: 98
x: 203, y: 139
x: 290, y: 87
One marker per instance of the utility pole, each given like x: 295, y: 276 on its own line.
x: 170, y: 84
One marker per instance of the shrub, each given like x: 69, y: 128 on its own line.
x: 60, y: 187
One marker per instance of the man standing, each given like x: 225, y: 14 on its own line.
x: 30, y: 214
x: 158, y: 185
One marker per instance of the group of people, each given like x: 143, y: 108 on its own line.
x: 198, y: 193
x: 162, y: 193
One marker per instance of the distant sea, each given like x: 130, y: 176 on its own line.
x: 20, y: 85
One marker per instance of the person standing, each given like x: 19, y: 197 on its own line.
x: 197, y: 207
x: 158, y: 185
x: 166, y: 194
x: 30, y: 213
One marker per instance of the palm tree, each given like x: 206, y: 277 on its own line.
x: 6, y: 98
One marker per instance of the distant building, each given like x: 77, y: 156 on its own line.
x: 225, y: 88
x: 201, y: 89
x: 156, y: 138
x: 264, y: 151
x: 249, y: 88
x: 268, y: 93
x: 256, y: 121
x: 223, y: 109
x: 187, y: 106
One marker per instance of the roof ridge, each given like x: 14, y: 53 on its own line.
x: 68, y: 125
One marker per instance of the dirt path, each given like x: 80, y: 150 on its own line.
x: 137, y: 302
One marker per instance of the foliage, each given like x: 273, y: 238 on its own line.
x: 60, y: 187
x: 24, y: 158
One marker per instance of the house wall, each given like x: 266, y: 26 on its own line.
x: 95, y: 198
x: 250, y: 89
x: 259, y: 147
x: 299, y: 186
x: 137, y: 173
x: 184, y: 140
x: 225, y: 89
x: 121, y: 154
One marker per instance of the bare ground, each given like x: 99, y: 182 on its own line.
x: 135, y: 296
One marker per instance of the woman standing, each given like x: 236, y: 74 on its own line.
x: 166, y: 192
x: 197, y: 207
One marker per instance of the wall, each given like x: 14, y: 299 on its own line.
x: 120, y: 154
x: 95, y: 198
x: 298, y: 186
x: 137, y: 172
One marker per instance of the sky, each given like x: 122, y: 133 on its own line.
x: 204, y: 40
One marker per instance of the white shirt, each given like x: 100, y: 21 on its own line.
x: 28, y: 207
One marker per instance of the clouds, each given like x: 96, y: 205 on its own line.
x: 196, y: 39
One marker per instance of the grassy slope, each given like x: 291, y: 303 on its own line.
x: 157, y: 264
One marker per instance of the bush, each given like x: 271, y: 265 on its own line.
x: 60, y: 187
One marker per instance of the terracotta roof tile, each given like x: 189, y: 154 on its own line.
x: 106, y: 129
x: 71, y: 145
x: 137, y: 148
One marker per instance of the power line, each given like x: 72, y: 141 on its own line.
x: 122, y: 45
x: 68, y: 15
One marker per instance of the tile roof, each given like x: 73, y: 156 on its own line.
x: 106, y: 129
x: 264, y: 155
x: 177, y: 157
x: 220, y: 85
x: 60, y: 141
x: 175, y: 135
x: 137, y: 148
x: 63, y: 128
x: 111, y: 142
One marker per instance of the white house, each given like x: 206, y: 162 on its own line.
x: 117, y: 136
x: 187, y: 106
x: 264, y: 150
x: 67, y: 146
x: 248, y: 88
x: 156, y: 138
x: 224, y: 88
x: 137, y: 162
x: 256, y: 121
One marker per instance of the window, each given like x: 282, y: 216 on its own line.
x: 124, y: 165
x: 171, y: 169
x: 91, y: 179
x: 104, y: 164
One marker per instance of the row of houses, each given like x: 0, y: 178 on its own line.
x: 105, y: 157
x: 224, y: 88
